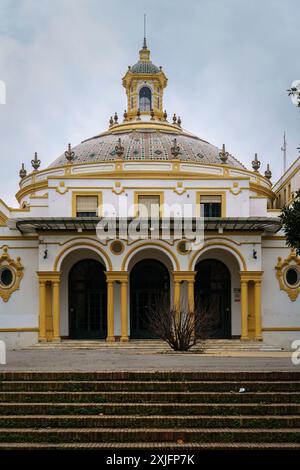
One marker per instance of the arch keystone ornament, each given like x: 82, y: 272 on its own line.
x: 283, y: 267
x: 14, y: 275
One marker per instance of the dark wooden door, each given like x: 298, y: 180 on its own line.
x: 213, y: 299
x: 149, y: 282
x: 87, y: 300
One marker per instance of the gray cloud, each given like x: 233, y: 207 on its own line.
x: 229, y: 64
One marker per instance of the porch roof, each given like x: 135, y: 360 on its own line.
x: 36, y: 224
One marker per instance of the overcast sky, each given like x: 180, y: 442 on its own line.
x: 229, y: 63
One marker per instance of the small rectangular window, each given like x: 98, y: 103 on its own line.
x: 210, y: 206
x: 148, y: 205
x: 86, y: 206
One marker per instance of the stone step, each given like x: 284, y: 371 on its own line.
x: 152, y: 376
x: 155, y: 421
x: 185, y: 435
x: 162, y: 386
x: 150, y: 445
x: 152, y: 397
x: 156, y: 345
x: 149, y: 409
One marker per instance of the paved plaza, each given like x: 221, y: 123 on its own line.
x: 114, y: 358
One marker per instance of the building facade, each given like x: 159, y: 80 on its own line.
x: 61, y: 278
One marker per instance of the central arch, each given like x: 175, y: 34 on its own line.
x: 87, y: 300
x: 213, y: 299
x: 149, y: 282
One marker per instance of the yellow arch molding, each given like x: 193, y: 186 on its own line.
x: 3, y: 219
x: 151, y: 245
x: 240, y: 257
x: 83, y: 245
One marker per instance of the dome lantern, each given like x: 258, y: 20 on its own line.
x: 144, y: 83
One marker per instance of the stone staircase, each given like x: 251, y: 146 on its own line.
x: 212, y: 345
x: 154, y: 410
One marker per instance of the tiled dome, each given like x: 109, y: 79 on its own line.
x: 144, y: 67
x: 146, y: 144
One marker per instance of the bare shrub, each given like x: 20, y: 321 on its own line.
x: 180, y: 327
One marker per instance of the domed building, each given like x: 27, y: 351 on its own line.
x: 81, y: 260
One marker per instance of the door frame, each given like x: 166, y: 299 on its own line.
x: 226, y: 332
x: 131, y: 307
x: 102, y: 332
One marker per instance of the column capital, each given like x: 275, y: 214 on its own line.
x: 52, y: 276
x: 112, y: 276
x: 254, y: 276
x: 179, y: 276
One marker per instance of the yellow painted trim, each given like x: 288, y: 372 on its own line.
x: 137, y: 194
x: 262, y: 190
x: 244, y: 310
x: 75, y: 194
x: 44, y: 196
x: 3, y: 219
x: 274, y: 237
x: 213, y: 192
x: 83, y: 245
x: 21, y: 247
x: 19, y: 330
x: 16, y: 268
x: 124, y: 309
x: 112, y: 249
x: 151, y: 244
x: 281, y: 328
x: 30, y: 188
x: 24, y: 238
x: 212, y: 244
x: 110, y: 309
x: 281, y: 267
x: 286, y: 181
x: 180, y: 276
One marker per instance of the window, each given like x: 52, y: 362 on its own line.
x: 6, y: 276
x: 148, y: 205
x: 145, y: 99
x: 86, y: 206
x: 292, y: 276
x: 210, y: 206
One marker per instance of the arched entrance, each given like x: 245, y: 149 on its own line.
x: 149, y: 282
x: 213, y: 299
x: 87, y: 300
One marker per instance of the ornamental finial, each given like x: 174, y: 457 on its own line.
x: 255, y: 163
x: 268, y: 172
x: 69, y: 154
x: 145, y: 41
x: 138, y: 115
x: 119, y: 148
x: 179, y: 121
x: 175, y: 149
x: 165, y: 115
x: 22, y: 172
x: 111, y: 121
x: 125, y: 115
x: 36, y: 163
x: 174, y: 119
x: 116, y: 118
x: 152, y: 115
x: 223, y: 155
